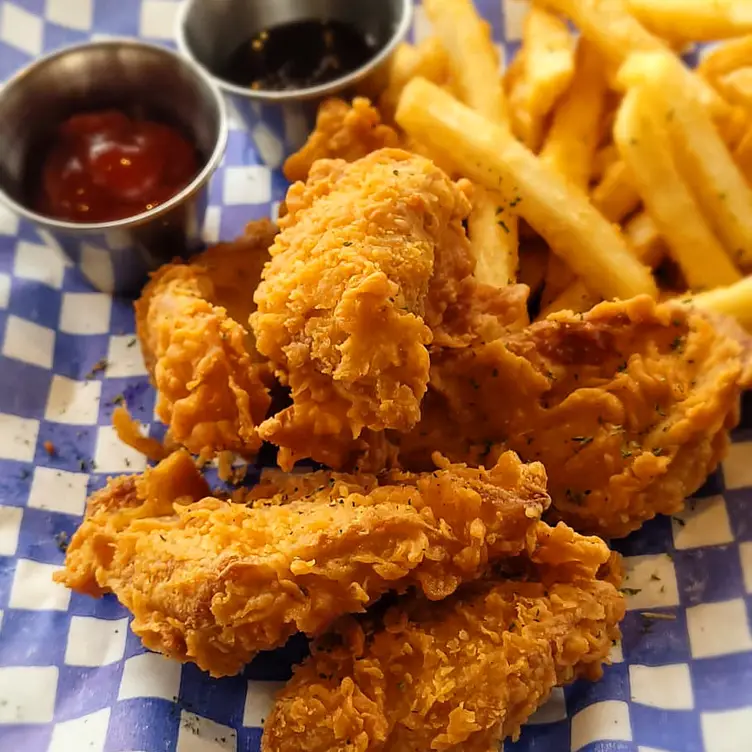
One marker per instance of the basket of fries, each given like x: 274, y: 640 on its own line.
x: 445, y: 446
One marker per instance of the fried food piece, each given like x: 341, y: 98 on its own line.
x: 628, y: 407
x: 460, y: 675
x: 191, y: 320
x: 370, y: 256
x: 128, y: 430
x: 343, y: 131
x: 214, y: 582
x: 482, y: 313
x: 235, y: 270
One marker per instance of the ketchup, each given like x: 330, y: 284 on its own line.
x: 105, y: 166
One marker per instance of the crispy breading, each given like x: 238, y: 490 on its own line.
x: 214, y: 582
x: 191, y: 320
x: 482, y: 313
x: 343, y: 131
x: 459, y: 675
x: 235, y: 269
x: 128, y: 430
x: 628, y: 407
x: 369, y: 258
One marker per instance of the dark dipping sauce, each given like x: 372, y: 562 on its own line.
x: 298, y: 55
x: 105, y: 166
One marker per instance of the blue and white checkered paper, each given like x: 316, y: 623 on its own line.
x: 72, y: 676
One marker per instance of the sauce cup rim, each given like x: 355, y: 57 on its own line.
x: 310, y: 92
x: 209, y: 165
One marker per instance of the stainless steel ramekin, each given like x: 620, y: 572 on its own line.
x: 209, y: 32
x: 143, y: 80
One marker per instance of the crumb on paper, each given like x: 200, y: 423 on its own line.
x: 62, y: 539
x: 100, y: 365
x: 191, y: 725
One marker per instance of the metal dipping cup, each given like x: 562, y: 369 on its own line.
x: 209, y: 32
x: 143, y: 80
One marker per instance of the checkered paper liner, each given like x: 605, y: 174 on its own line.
x: 72, y: 675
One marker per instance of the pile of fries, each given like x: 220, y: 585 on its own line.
x: 604, y: 165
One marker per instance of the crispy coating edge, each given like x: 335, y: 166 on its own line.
x: 211, y: 386
x: 370, y: 257
x: 459, y: 675
x: 628, y: 406
x: 342, y: 131
x: 214, y: 582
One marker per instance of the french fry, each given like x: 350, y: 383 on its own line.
x: 702, y: 157
x: 733, y: 128
x: 486, y: 222
x: 603, y: 159
x: 645, y: 239
x: 428, y: 60
x: 610, y: 107
x: 576, y: 298
x: 696, y: 20
x: 473, y: 58
x: 549, y: 60
x: 736, y: 86
x: 561, y: 214
x: 432, y: 61
x: 514, y: 71
x: 573, y: 137
x: 727, y: 67
x: 421, y: 149
x: 533, y: 263
x: 558, y: 277
x: 609, y: 25
x: 644, y: 144
x: 645, y: 243
x: 726, y: 57
x: 475, y: 67
x: 527, y: 127
x: 743, y: 156
x: 735, y: 300
x: 402, y: 64
x: 615, y: 196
